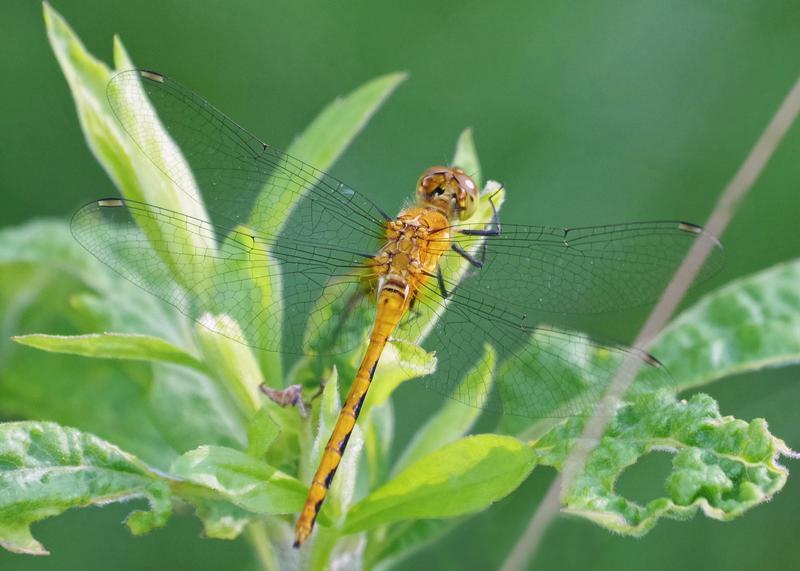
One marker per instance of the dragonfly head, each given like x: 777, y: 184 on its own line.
x: 449, y: 189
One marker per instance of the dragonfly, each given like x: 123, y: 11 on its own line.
x: 301, y: 263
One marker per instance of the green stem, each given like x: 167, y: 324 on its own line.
x: 259, y: 540
x: 305, y: 436
x: 322, y: 548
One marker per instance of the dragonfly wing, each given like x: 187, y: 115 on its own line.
x: 519, y: 301
x: 544, y: 270
x: 242, y: 180
x: 268, y: 287
x: 544, y: 372
x: 264, y: 226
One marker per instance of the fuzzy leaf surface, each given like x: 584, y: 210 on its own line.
x: 46, y: 469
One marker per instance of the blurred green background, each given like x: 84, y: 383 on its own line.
x: 589, y: 112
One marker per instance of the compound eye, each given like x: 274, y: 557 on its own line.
x: 431, y: 183
x: 465, y: 182
x: 468, y: 207
x: 434, y: 173
x: 467, y: 195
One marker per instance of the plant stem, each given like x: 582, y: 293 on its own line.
x: 733, y: 194
x: 257, y: 536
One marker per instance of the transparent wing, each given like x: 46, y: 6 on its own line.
x: 269, y: 287
x: 242, y: 180
x: 272, y: 232
x: 519, y: 301
x: 595, y: 269
x: 545, y: 371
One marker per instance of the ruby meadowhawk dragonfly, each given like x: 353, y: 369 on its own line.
x: 301, y: 263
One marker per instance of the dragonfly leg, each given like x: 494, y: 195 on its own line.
x: 476, y: 262
x: 320, y: 390
x: 440, y: 281
x: 492, y: 229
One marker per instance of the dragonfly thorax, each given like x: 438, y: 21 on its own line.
x: 448, y: 189
x: 414, y: 243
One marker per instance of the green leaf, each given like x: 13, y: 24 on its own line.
x: 722, y: 465
x: 138, y: 178
x: 466, y: 156
x: 190, y: 409
x: 46, y: 469
x: 119, y: 305
x: 275, y: 432
x: 98, y: 396
x: 234, y: 366
x: 242, y: 480
x: 379, y: 433
x: 400, y: 362
x: 332, y: 131
x: 154, y: 184
x: 319, y: 145
x: 747, y: 325
x: 112, y: 346
x: 117, y: 402
x: 454, y: 419
x: 45, y: 274
x: 221, y: 519
x: 132, y: 173
x: 261, y: 433
x: 49, y: 243
x: 461, y: 477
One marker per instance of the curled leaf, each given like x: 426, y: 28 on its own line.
x: 722, y: 465
x: 46, y: 469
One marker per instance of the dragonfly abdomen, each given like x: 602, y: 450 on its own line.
x: 391, y: 307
